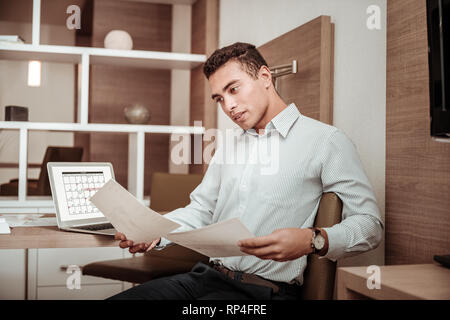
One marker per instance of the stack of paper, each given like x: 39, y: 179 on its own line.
x: 216, y: 240
x: 30, y: 220
x: 11, y: 39
x: 4, y: 227
x: 141, y: 224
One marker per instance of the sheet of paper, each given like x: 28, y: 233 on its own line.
x: 30, y: 221
x: 4, y: 227
x: 129, y: 216
x: 216, y: 240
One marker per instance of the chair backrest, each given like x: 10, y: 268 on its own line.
x: 318, y: 278
x: 56, y: 154
x: 171, y: 191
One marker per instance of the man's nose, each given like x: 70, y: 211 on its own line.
x: 229, y: 106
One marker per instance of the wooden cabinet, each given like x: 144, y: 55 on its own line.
x: 50, y: 278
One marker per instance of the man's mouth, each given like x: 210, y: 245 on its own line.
x: 239, y: 116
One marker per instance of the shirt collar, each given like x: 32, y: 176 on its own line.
x: 282, y: 122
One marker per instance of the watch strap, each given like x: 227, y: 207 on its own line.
x: 316, y: 231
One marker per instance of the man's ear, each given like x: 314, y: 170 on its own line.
x: 266, y: 76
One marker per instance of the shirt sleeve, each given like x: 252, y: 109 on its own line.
x: 361, y: 228
x: 198, y: 213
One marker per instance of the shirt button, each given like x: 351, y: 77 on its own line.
x: 244, y: 187
x: 241, y: 207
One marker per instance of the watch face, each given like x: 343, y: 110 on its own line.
x: 319, y: 242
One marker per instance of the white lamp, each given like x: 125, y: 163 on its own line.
x: 34, y: 73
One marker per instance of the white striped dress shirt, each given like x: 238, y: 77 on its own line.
x: 308, y: 158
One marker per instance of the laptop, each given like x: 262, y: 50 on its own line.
x: 72, y: 185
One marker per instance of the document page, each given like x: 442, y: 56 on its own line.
x: 29, y: 220
x: 216, y: 240
x: 129, y: 216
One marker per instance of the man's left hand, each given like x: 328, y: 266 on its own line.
x: 281, y: 245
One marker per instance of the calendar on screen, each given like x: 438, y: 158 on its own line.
x: 79, y: 187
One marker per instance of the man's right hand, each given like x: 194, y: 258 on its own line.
x: 134, y: 248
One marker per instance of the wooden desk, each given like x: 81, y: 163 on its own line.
x: 52, y: 237
x: 398, y: 282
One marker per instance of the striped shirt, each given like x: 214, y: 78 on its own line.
x: 302, y: 158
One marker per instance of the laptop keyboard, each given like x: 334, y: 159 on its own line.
x: 96, y: 227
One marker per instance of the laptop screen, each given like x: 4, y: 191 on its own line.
x: 74, y: 185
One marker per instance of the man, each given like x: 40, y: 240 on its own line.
x: 279, y: 208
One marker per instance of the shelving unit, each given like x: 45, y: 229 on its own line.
x: 84, y: 57
x: 125, y: 58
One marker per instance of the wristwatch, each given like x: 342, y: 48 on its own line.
x: 317, y: 241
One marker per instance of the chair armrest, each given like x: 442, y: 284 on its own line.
x: 153, y: 265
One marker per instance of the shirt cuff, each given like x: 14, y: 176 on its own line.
x: 163, y: 243
x: 337, y: 242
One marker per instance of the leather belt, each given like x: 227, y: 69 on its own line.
x: 244, y: 277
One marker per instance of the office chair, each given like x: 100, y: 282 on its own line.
x: 318, y: 278
x: 41, y: 186
x: 171, y: 191
x: 319, y: 275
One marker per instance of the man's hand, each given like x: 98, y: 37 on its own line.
x: 281, y: 245
x: 134, y: 248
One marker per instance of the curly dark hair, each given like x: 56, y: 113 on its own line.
x: 244, y: 53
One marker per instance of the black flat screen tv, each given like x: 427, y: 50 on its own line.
x: 438, y: 20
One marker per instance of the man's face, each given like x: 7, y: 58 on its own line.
x: 242, y: 98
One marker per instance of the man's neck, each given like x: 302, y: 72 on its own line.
x: 275, y: 107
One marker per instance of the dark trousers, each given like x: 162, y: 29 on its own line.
x: 205, y: 283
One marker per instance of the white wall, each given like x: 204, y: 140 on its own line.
x: 359, y: 79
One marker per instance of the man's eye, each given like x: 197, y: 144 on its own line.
x: 219, y: 100
x: 234, y: 89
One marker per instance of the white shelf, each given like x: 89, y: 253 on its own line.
x: 100, y: 127
x: 125, y: 58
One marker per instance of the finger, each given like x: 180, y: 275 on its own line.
x: 120, y: 236
x: 151, y: 245
x: 136, y: 248
x: 123, y: 244
x: 257, y: 242
x: 261, y: 251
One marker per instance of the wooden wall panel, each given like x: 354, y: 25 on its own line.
x: 113, y: 88
x: 417, y: 168
x: 311, y: 88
